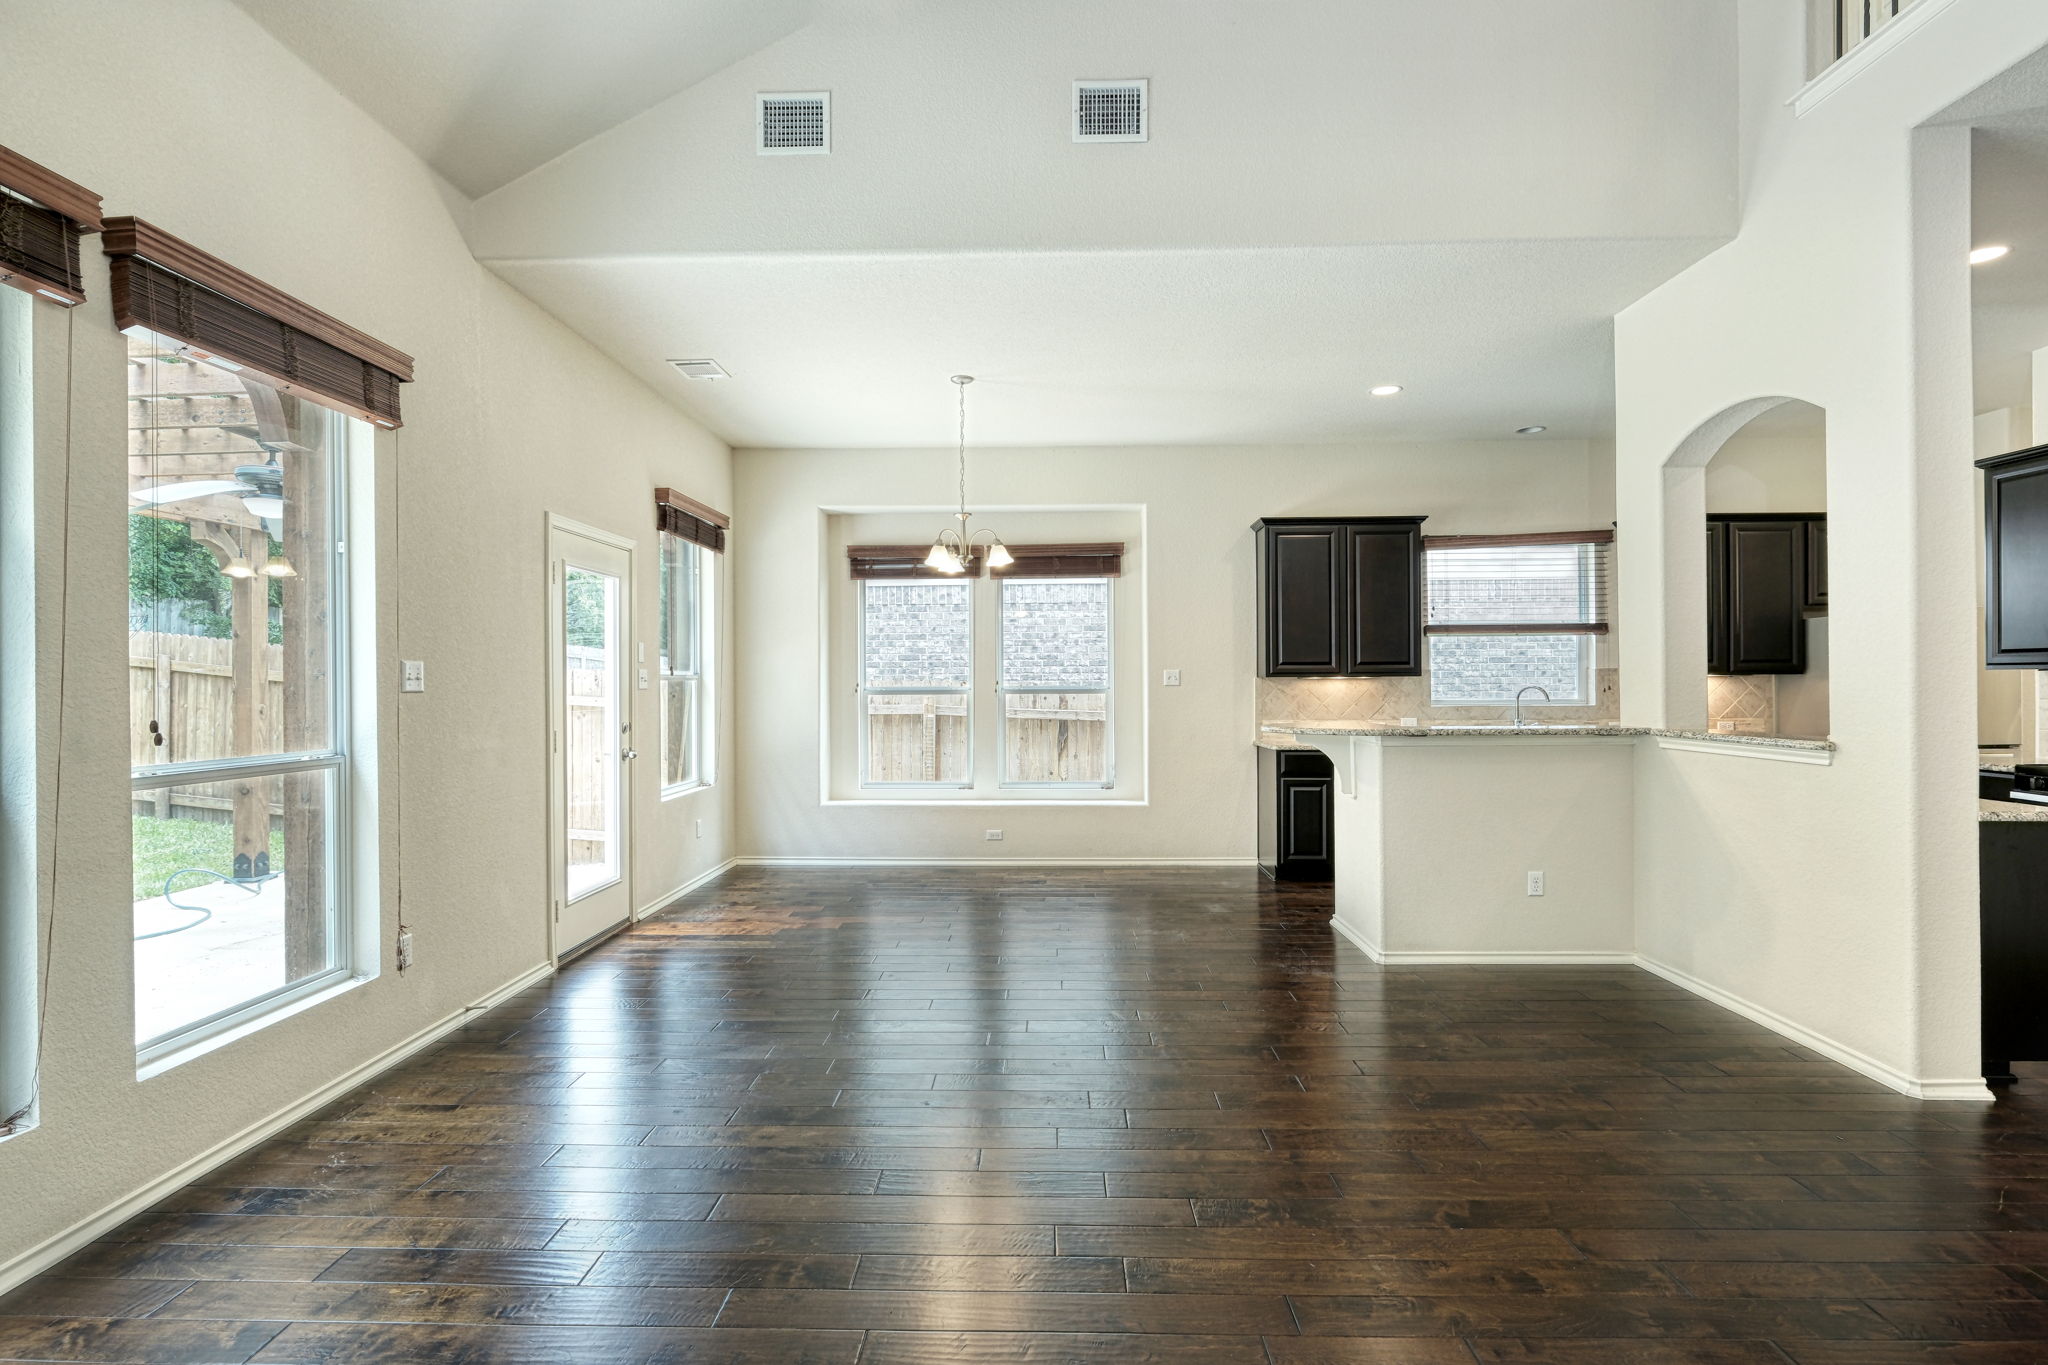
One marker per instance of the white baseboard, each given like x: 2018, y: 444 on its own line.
x: 665, y: 901
x: 1357, y: 940
x: 1971, y: 1088
x: 1397, y: 957
x: 36, y: 1259
x: 995, y: 862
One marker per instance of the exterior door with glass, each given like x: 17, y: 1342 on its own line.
x: 590, y: 734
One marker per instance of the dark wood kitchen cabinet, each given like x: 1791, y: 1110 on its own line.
x: 2012, y: 943
x: 1760, y: 590
x: 1340, y: 596
x: 1295, y: 790
x: 2016, y: 559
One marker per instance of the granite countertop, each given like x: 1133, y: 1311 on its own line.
x: 1338, y: 727
x: 1281, y: 743
x: 2010, y: 810
x: 1985, y: 765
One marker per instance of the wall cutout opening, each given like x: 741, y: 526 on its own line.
x: 1766, y: 543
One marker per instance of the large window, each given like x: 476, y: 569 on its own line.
x: 916, y: 671
x: 688, y: 728
x: 1055, y: 648
x: 238, y: 744
x: 1508, y: 613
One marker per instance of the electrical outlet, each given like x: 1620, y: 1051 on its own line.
x: 1408, y: 722
x: 412, y: 675
x: 700, y: 829
x: 404, y: 947
x: 1171, y: 678
x: 993, y: 836
x: 1535, y: 883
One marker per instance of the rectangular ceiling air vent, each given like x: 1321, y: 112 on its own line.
x: 1111, y: 111
x: 793, y: 124
x: 700, y: 369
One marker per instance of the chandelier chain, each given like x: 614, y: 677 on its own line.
x: 963, y: 450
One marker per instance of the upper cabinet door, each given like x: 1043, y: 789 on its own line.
x: 1717, y: 597
x: 1383, y: 576
x: 1766, y: 596
x: 1302, y: 600
x: 2016, y: 560
x: 1817, y: 564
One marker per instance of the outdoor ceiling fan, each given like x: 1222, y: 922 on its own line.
x: 260, y: 486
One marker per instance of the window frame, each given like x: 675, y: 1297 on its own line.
x: 700, y: 710
x: 862, y: 691
x: 1004, y: 781
x: 1587, y: 685
x: 346, y: 441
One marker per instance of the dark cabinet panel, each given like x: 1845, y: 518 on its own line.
x: 1340, y: 596
x: 2016, y: 559
x: 1383, y: 580
x: 1303, y: 599
x: 1817, y: 564
x: 1758, y: 592
x: 2012, y: 943
x: 1295, y: 835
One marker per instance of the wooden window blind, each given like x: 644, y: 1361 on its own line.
x: 1103, y: 560
x: 692, y: 520
x: 1543, y: 583
x: 173, y: 288
x: 42, y: 216
x: 900, y: 561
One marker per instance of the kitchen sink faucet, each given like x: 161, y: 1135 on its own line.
x: 1532, y: 687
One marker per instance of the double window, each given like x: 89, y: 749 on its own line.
x: 238, y: 740
x: 1510, y: 612
x: 688, y: 737
x: 1050, y: 675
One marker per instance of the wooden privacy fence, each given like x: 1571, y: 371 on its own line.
x: 187, y: 683
x: 592, y: 735
x: 1047, y: 737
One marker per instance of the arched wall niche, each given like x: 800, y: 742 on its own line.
x: 1685, y: 509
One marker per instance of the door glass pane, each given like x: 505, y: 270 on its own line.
x: 1055, y: 736
x: 230, y: 562
x: 1056, y: 633
x: 234, y: 894
x: 916, y: 635
x: 916, y: 736
x: 590, y: 730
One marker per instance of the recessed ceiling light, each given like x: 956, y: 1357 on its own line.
x: 1984, y: 254
x: 1386, y: 390
x: 1530, y: 431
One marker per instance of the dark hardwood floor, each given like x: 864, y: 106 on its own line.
x: 916, y: 1117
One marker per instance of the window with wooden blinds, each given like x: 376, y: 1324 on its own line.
x: 1104, y: 560
x: 42, y: 216
x: 1549, y: 583
x: 901, y: 561
x: 170, y: 287
x: 691, y: 520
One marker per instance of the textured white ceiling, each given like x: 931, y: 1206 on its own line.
x: 486, y: 90
x: 1124, y: 348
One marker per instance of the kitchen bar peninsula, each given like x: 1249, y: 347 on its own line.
x: 1493, y: 844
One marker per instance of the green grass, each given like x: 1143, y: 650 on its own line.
x: 166, y: 846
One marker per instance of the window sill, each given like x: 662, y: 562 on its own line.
x: 237, y: 1027
x: 980, y: 801
x: 686, y: 789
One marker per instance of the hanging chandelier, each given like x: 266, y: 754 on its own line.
x: 953, y: 549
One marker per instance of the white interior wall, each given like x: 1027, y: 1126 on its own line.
x: 194, y: 118
x: 1198, y: 504
x: 1769, y: 474
x: 1841, y: 899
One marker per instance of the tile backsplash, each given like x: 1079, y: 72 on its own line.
x: 1389, y: 701
x: 1745, y: 705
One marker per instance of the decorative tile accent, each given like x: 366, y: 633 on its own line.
x: 1748, y: 705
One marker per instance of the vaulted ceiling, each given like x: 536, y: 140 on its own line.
x: 1455, y: 196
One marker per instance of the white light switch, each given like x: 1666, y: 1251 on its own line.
x: 643, y: 680
x: 1171, y: 677
x: 412, y: 675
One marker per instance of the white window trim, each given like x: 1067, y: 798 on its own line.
x: 1108, y: 780
x: 704, y: 710
x: 353, y: 443
x: 861, y: 691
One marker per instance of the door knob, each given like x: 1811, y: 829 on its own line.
x: 630, y: 753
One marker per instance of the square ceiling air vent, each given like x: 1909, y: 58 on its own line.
x: 700, y: 369
x: 1111, y: 111
x: 793, y: 124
